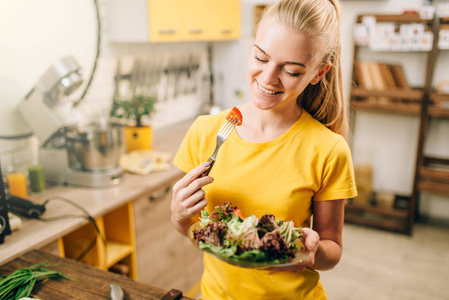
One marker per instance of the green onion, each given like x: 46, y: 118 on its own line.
x: 21, y: 283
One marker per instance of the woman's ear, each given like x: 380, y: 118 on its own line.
x: 320, y: 74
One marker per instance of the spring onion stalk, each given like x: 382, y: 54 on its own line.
x: 21, y: 283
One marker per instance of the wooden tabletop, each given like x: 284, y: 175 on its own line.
x: 88, y: 282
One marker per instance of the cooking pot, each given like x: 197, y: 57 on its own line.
x: 94, y: 146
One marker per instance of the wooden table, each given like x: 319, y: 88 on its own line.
x: 88, y: 283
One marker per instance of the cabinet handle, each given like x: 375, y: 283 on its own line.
x: 226, y: 31
x: 167, y: 31
x: 196, y: 31
x: 159, y: 195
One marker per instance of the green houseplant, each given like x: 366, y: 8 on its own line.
x: 135, y: 114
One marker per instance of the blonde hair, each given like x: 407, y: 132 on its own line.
x: 319, y: 19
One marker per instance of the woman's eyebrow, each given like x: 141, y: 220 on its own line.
x: 287, y: 62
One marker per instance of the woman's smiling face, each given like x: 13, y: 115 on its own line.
x: 282, y: 64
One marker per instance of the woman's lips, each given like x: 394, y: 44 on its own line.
x: 266, y: 91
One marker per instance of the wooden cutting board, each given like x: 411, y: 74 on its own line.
x: 88, y: 283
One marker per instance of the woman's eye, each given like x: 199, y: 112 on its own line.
x: 260, y: 59
x: 293, y: 74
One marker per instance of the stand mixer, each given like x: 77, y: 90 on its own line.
x: 78, y: 154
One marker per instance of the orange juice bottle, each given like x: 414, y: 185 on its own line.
x: 17, y: 182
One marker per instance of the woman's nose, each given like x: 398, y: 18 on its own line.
x: 271, y: 74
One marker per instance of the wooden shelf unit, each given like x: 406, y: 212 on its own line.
x: 431, y: 174
x: 410, y: 103
x: 396, y: 18
x: 393, y: 219
x: 114, y: 242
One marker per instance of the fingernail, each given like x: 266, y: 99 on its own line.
x: 206, y: 164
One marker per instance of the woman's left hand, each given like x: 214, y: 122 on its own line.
x: 311, y: 240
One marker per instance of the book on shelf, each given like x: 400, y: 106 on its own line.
x: 399, y: 77
x: 377, y: 76
x: 363, y: 77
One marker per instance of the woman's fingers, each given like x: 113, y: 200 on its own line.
x: 311, y: 239
x: 188, y: 196
x: 192, y: 175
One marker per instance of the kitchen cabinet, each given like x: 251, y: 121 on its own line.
x: 166, y: 258
x: 174, y: 20
x: 399, y: 99
x: 225, y: 19
x: 114, y: 242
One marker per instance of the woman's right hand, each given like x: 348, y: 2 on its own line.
x: 188, y: 198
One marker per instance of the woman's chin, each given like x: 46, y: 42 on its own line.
x: 264, y: 104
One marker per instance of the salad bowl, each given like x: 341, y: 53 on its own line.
x: 300, y: 255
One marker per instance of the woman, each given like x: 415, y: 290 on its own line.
x: 289, y: 158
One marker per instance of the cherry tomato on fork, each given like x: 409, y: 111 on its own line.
x: 235, y: 114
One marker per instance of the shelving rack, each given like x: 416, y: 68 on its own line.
x: 431, y: 173
x: 114, y: 242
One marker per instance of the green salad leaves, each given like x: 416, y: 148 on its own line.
x: 225, y: 232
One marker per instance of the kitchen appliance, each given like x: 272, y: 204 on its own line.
x: 72, y: 152
x: 24, y: 207
x: 4, y: 220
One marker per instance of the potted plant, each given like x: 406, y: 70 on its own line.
x: 135, y: 114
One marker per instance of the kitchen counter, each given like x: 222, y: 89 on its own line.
x: 87, y: 283
x: 35, y: 234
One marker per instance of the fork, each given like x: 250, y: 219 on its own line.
x: 222, y: 135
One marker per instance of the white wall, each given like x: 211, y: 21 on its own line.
x: 33, y: 34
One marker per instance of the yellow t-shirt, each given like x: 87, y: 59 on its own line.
x: 282, y: 177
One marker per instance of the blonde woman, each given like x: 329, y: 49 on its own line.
x: 289, y: 158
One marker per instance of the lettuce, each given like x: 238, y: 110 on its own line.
x: 253, y: 256
x: 226, y: 252
x: 204, y: 220
x: 289, y: 232
x: 254, y: 240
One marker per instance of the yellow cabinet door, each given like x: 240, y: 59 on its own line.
x: 227, y: 20
x: 193, y: 20
x: 198, y: 15
x: 165, y: 20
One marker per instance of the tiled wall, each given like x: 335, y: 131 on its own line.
x: 178, y: 79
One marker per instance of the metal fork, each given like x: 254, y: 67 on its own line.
x: 222, y: 135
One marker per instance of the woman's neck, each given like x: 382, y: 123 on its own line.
x: 261, y: 126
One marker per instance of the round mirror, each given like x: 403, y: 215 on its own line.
x: 34, y: 34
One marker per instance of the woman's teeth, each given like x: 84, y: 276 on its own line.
x: 267, y: 91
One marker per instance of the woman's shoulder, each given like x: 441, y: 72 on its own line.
x: 320, y: 134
